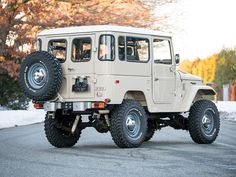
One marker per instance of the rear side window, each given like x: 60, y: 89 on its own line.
x: 81, y: 49
x: 58, y: 49
x: 137, y: 49
x: 106, y: 48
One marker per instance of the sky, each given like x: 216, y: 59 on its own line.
x: 201, y: 28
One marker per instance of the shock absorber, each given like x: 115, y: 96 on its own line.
x: 75, y: 124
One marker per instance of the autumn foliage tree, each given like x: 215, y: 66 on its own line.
x: 218, y: 69
x: 226, y: 67
x: 203, y: 68
x: 21, y: 20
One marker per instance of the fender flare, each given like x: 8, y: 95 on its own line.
x: 193, y: 92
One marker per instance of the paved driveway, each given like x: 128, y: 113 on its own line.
x: 24, y: 151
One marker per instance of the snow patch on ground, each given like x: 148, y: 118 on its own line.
x: 228, y: 116
x: 226, y: 106
x: 20, y: 117
x: 10, y: 118
x: 227, y: 110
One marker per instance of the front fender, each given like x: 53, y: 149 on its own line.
x: 194, y: 92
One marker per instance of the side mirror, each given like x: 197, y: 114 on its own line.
x: 177, y: 59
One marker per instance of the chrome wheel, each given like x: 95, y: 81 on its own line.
x: 208, y: 122
x: 37, y: 75
x: 132, y: 123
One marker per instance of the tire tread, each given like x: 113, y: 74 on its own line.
x: 194, y: 118
x: 55, y: 85
x: 116, y: 121
x: 55, y: 137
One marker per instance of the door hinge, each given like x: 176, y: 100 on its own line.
x: 172, y: 69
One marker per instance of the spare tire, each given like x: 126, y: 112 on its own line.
x: 40, y: 76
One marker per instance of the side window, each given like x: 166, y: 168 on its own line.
x: 58, y: 49
x: 137, y: 49
x: 39, y: 45
x: 106, y: 47
x: 81, y: 49
x: 161, y: 51
x: 121, y: 47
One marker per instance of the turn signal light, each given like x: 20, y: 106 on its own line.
x: 38, y: 106
x: 99, y: 105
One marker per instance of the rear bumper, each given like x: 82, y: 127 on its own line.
x: 75, y: 106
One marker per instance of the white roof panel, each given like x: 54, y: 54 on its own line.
x: 101, y: 28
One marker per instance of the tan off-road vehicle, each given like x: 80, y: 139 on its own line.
x: 119, y: 79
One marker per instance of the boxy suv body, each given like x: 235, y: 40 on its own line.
x: 123, y: 78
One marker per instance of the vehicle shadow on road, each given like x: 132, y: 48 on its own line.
x: 108, y: 150
x: 150, y: 144
x: 111, y: 146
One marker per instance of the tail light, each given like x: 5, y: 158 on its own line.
x: 37, y: 105
x: 98, y: 105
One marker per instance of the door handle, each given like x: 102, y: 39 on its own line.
x: 156, y: 79
x: 71, y: 69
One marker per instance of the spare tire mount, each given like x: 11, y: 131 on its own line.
x: 40, y: 76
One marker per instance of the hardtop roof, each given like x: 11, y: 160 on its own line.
x: 101, y: 28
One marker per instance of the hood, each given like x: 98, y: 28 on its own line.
x: 187, y: 76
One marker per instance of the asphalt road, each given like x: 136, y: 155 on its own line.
x: 24, y: 151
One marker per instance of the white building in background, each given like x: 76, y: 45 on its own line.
x: 226, y: 92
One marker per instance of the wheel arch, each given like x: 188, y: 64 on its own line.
x: 136, y: 95
x: 194, y: 94
x: 203, y: 92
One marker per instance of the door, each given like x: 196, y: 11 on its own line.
x: 164, y: 74
x: 81, y: 66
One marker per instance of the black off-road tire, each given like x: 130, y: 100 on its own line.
x: 49, y: 85
x: 149, y: 134
x: 197, y: 123
x: 121, y: 115
x: 57, y: 136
